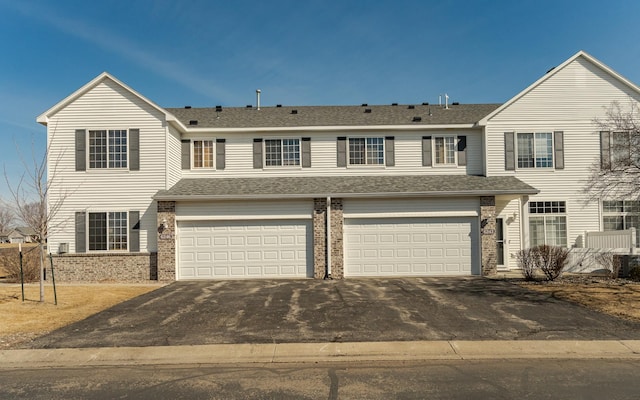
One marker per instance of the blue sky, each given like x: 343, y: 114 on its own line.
x: 205, y: 53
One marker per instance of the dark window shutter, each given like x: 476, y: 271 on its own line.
x: 389, y: 151
x: 342, y: 151
x: 220, y: 153
x: 186, y: 154
x: 134, y: 231
x: 306, y: 152
x: 257, y: 153
x: 558, y: 143
x: 509, y: 151
x: 81, y: 150
x: 134, y: 149
x: 426, y: 151
x: 81, y: 229
x: 462, y: 150
x: 605, y: 150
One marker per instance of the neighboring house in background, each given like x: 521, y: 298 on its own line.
x: 4, y: 237
x: 283, y: 191
x: 22, y: 234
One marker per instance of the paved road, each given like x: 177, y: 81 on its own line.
x: 289, y: 311
x: 540, y: 379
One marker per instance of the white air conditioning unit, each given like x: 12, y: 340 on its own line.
x: 63, y: 248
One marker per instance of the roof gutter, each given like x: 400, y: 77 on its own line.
x: 279, y: 196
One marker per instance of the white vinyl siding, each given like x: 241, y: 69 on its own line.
x: 407, y: 151
x: 568, y: 101
x: 257, y: 209
x: 107, y: 106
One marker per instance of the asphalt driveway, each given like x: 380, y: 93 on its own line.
x: 285, y: 311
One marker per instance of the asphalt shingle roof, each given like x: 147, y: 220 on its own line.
x: 306, y: 116
x: 343, y: 186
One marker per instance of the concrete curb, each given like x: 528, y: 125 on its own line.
x: 321, y: 352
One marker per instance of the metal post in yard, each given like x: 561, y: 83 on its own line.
x: 53, y: 280
x: 21, y: 273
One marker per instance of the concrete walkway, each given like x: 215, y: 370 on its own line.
x: 320, y: 352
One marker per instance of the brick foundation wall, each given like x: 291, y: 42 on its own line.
x: 104, y: 267
x: 488, y: 235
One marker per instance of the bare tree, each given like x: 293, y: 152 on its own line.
x: 7, y: 217
x: 30, y: 197
x: 617, y: 174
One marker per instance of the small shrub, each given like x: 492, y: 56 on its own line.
x: 10, y: 263
x: 550, y: 260
x: 634, y: 273
x: 527, y: 264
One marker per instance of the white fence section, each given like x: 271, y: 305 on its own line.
x: 611, y: 239
x: 597, y: 248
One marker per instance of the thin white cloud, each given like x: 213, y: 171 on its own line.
x: 124, y: 47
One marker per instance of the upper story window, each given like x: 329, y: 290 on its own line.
x: 108, y: 148
x: 535, y: 150
x: 531, y: 150
x: 548, y: 223
x: 366, y: 151
x: 445, y: 150
x: 203, y: 151
x: 281, y: 152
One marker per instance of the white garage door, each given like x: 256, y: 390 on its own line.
x: 244, y: 249
x: 410, y: 246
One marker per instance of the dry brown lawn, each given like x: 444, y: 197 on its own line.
x: 22, y: 321
x: 611, y: 296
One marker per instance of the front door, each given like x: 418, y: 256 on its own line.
x: 500, y: 242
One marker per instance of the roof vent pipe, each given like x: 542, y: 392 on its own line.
x: 258, y: 98
x: 446, y: 101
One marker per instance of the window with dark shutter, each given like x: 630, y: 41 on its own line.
x: 509, y: 151
x: 220, y: 153
x: 389, y: 151
x: 427, y: 160
x: 257, y: 153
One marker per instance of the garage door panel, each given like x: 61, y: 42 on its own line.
x: 421, y: 247
x: 244, y: 249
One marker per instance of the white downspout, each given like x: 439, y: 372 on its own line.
x: 328, y: 229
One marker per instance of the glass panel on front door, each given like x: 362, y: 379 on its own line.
x: 499, y: 242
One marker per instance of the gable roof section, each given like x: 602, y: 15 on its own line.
x: 44, y: 117
x: 343, y: 186
x: 326, y: 116
x: 548, y: 75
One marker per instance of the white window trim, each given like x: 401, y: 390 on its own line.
x: 88, y: 150
x: 365, y: 165
x: 455, y: 152
x: 280, y: 138
x: 528, y: 215
x: 87, y: 230
x: 534, y: 168
x: 193, y: 154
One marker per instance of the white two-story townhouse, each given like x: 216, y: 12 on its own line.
x: 326, y: 191
x: 548, y: 137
